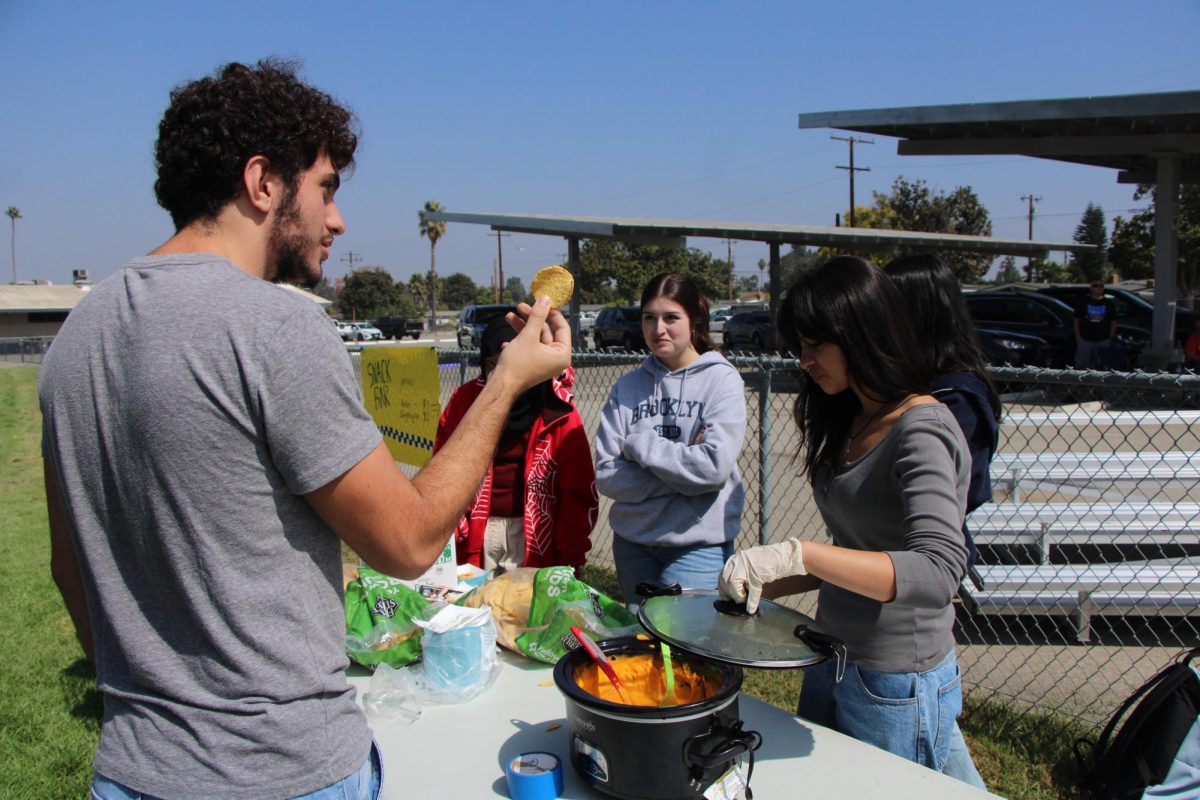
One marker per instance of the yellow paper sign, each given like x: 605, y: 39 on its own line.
x: 401, y: 391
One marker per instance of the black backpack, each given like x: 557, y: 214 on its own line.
x: 1142, y: 752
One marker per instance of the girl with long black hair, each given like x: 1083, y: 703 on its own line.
x: 889, y: 470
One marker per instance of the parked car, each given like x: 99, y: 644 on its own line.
x: 619, y: 327
x: 717, y: 319
x: 587, y: 320
x: 1132, y: 309
x: 753, y: 329
x: 1040, y: 315
x: 475, y: 318
x: 1009, y: 348
x: 347, y: 331
x: 398, y: 327
x: 364, y: 331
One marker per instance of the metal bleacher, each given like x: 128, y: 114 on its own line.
x: 1099, y: 511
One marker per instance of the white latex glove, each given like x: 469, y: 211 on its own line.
x: 746, y: 571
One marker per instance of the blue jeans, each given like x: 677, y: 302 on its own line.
x: 691, y: 566
x: 911, y: 714
x: 364, y: 784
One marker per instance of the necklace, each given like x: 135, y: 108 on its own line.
x: 851, y: 436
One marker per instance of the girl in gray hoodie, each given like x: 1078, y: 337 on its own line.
x: 667, y: 448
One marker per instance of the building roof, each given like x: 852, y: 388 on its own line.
x: 27, y: 297
x: 1121, y: 132
x: 24, y: 297
x: 675, y: 231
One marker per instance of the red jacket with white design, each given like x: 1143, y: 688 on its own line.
x: 560, y: 484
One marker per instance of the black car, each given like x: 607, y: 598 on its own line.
x: 1008, y: 348
x: 1132, y: 309
x: 619, y: 327
x: 752, y: 329
x: 399, y: 327
x: 475, y: 318
x: 1039, y: 315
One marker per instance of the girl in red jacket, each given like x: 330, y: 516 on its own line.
x: 537, y: 504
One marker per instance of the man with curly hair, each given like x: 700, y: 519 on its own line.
x: 207, y: 452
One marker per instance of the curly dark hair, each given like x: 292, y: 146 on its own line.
x: 214, y: 125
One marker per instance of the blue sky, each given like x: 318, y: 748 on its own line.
x: 664, y: 109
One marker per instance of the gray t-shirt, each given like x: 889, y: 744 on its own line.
x: 187, y: 406
x: 907, y: 498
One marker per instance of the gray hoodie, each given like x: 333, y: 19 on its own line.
x: 665, y: 489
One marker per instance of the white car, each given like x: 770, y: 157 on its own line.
x: 716, y: 319
x: 363, y: 331
x: 586, y: 320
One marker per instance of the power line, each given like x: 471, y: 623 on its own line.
x: 852, y: 169
x: 350, y: 258
x: 1029, y: 261
x: 500, y: 261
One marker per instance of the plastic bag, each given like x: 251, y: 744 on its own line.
x: 379, y: 620
x: 459, y: 653
x: 535, y: 609
x: 391, y: 697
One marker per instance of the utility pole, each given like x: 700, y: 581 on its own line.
x: 1029, y: 261
x: 853, y: 169
x: 350, y: 258
x: 499, y: 261
x: 729, y: 251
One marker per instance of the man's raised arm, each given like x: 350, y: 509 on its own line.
x: 398, y: 526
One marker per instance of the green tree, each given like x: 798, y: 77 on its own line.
x: 795, y: 261
x: 433, y: 231
x: 1092, y: 229
x: 911, y: 206
x: 460, y: 290
x: 14, y: 214
x: 324, y: 289
x: 616, y: 272
x: 514, y: 290
x: 418, y: 288
x: 1009, y: 271
x: 1132, y: 245
x: 368, y: 293
x: 1043, y: 270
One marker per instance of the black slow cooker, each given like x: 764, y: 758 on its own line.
x: 677, y: 752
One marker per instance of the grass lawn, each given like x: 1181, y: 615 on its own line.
x: 50, y: 712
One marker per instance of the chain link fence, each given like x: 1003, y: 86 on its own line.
x: 1089, y: 552
x: 24, y: 350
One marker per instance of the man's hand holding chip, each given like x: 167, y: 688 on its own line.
x: 541, y: 350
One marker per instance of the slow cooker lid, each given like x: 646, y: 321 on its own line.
x: 690, y: 620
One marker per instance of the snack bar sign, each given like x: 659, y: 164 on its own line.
x: 401, y: 393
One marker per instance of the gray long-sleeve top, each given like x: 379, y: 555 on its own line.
x: 906, y: 497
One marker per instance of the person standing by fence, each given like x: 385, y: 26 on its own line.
x: 889, y: 469
x: 537, y: 505
x: 960, y: 382
x: 667, y: 448
x: 1095, y: 327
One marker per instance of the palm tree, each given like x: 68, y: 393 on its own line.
x: 14, y: 214
x: 432, y: 230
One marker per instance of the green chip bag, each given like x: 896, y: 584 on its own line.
x: 535, y: 609
x: 379, y: 626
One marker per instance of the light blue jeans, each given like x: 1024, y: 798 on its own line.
x: 364, y: 784
x: 692, y: 566
x: 911, y: 714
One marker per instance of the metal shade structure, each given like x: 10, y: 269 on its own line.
x: 1147, y: 138
x: 674, y: 233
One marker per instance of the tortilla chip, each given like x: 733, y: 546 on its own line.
x: 554, y: 281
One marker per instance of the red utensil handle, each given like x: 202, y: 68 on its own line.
x: 596, y: 653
